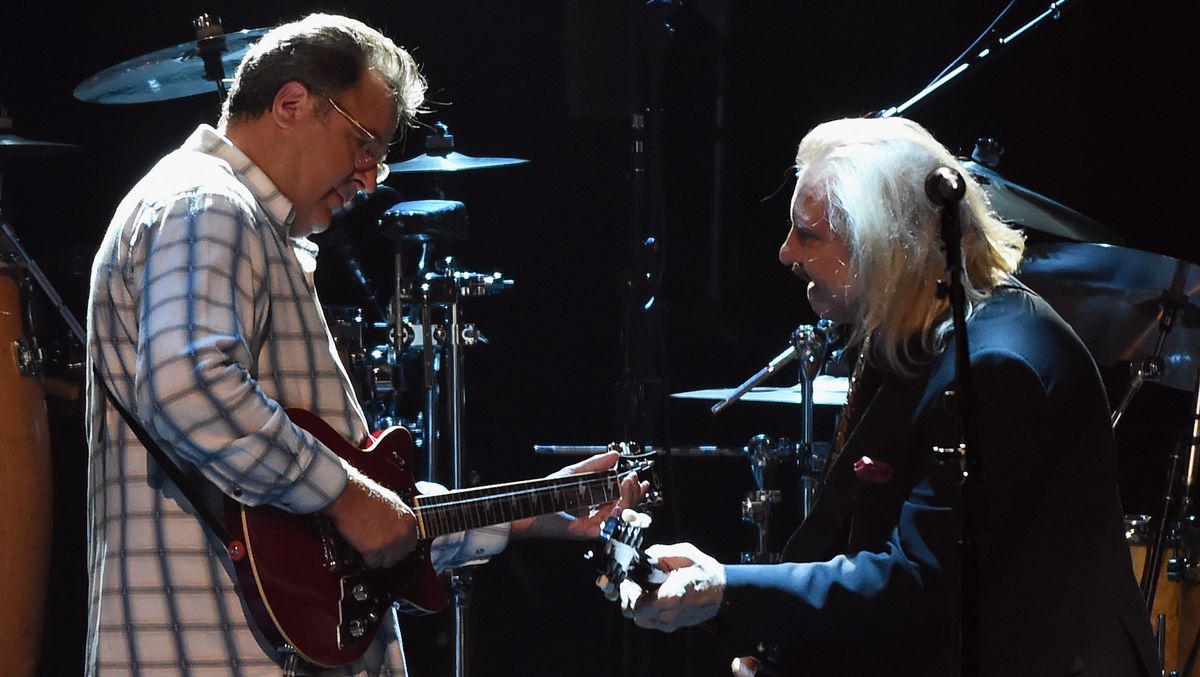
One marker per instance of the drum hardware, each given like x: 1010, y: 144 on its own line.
x: 425, y: 318
x: 29, y: 357
x: 440, y: 157
x: 702, y: 451
x: 183, y: 70
x: 1020, y: 206
x: 1127, y: 305
x: 26, y: 474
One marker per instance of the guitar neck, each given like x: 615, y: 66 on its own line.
x: 464, y: 509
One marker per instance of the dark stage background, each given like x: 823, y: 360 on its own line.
x: 1093, y: 110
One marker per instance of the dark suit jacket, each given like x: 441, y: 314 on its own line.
x: 877, y: 592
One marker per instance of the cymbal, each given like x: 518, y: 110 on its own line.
x: 450, y: 162
x: 441, y: 157
x: 1112, y: 297
x: 1020, y: 206
x: 14, y: 147
x: 827, y: 391
x: 171, y: 73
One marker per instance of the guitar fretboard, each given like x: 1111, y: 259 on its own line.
x: 473, y: 508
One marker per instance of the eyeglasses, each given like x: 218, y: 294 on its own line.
x: 374, y: 149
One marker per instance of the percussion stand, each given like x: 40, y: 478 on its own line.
x: 1151, y: 367
x: 47, y: 288
x: 440, y: 286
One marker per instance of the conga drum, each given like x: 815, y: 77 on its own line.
x: 25, y: 485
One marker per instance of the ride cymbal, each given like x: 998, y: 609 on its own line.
x: 1020, y: 206
x: 171, y: 73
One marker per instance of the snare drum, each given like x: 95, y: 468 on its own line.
x: 25, y: 483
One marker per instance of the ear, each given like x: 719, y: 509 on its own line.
x: 292, y: 102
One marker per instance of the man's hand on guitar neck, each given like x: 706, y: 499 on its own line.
x: 585, y: 526
x: 373, y: 520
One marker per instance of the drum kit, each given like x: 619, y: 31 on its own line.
x: 1127, y: 306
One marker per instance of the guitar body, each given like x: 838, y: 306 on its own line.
x: 309, y: 592
x: 304, y: 586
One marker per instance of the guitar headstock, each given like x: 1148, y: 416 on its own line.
x: 623, y: 558
x: 633, y: 459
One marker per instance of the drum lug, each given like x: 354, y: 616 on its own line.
x: 29, y: 357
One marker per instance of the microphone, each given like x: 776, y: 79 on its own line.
x: 808, y: 343
x: 944, y: 186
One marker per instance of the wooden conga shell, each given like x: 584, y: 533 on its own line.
x: 25, y: 492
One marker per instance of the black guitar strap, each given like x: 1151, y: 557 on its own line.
x: 190, y: 492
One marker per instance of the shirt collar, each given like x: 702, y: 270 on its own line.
x: 278, y: 207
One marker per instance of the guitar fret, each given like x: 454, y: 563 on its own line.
x: 473, y: 508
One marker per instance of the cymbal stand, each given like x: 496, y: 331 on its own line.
x: 1150, y: 368
x: 985, y: 48
x: 47, y: 288
x: 210, y: 42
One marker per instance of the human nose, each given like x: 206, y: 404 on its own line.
x: 366, y: 178
x: 787, y: 251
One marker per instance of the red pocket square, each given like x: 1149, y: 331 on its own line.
x: 870, y: 471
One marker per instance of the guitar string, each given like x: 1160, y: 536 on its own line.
x: 441, y: 512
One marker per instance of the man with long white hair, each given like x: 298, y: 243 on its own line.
x: 871, y: 581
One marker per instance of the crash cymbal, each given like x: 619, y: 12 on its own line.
x: 1020, y: 206
x: 450, y: 162
x: 14, y: 147
x: 827, y: 391
x: 1113, y: 297
x: 171, y: 73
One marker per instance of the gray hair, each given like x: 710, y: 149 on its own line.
x: 329, y: 54
x: 872, y: 174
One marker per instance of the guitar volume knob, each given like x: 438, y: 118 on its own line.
x: 359, y: 591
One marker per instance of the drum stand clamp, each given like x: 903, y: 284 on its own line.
x: 765, y: 455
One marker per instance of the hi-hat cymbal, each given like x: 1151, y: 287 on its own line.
x: 1023, y: 207
x: 827, y: 391
x: 14, y: 147
x: 171, y: 73
x: 450, y: 162
x: 1113, y: 297
x: 441, y: 157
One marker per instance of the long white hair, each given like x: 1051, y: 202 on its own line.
x: 871, y: 174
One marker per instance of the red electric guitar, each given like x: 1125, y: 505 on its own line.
x: 309, y: 592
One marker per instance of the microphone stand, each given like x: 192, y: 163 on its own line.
x: 945, y: 187
x: 972, y: 59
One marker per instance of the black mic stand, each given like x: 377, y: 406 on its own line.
x: 945, y: 187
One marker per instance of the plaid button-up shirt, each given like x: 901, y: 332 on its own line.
x: 204, y: 321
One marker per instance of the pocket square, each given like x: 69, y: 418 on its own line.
x: 870, y: 471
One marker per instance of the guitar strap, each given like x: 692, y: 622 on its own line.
x: 168, y: 466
